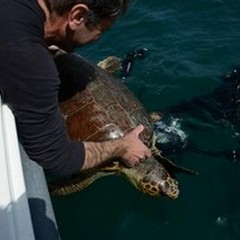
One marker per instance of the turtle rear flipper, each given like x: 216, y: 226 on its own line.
x: 76, y: 184
x: 83, y: 179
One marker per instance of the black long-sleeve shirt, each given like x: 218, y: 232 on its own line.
x: 29, y: 85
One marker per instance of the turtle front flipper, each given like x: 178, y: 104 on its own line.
x: 170, y: 166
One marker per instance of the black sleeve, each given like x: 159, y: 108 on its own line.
x: 29, y: 85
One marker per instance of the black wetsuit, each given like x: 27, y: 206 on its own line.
x: 29, y: 85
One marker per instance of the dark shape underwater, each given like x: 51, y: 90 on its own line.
x: 221, y: 106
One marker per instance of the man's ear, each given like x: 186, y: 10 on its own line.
x: 77, y: 15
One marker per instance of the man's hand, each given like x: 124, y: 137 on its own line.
x: 129, y: 148
x: 55, y: 50
x: 134, y: 150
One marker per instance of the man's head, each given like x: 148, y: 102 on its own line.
x: 81, y: 21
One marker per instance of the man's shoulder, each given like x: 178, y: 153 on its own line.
x: 20, y: 20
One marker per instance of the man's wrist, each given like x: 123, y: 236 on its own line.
x: 97, y: 153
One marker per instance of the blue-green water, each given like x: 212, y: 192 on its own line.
x: 191, y: 44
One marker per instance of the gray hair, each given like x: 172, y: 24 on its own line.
x: 99, y: 9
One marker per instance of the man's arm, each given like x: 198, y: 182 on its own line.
x: 29, y: 85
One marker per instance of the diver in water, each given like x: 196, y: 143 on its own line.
x: 128, y: 61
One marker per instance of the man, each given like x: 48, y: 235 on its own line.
x: 29, y: 80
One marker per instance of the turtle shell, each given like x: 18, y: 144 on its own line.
x: 104, y: 109
x: 99, y: 107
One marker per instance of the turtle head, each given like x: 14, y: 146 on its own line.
x: 158, y: 182
x: 151, y: 178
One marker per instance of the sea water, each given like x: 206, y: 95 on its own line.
x: 191, y: 45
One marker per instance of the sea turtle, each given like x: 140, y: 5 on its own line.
x: 97, y: 107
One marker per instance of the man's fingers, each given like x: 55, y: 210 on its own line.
x: 136, y: 150
x: 148, y: 153
x: 139, y: 129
